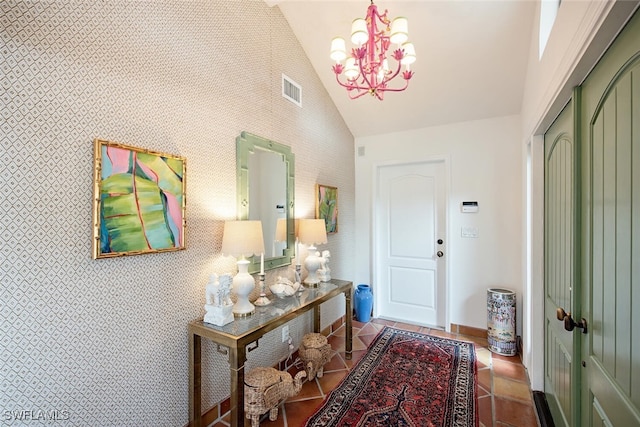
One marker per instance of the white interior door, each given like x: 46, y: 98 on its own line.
x: 410, y: 248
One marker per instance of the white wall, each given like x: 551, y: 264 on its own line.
x: 485, y: 165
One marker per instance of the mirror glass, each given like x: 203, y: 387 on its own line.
x: 265, y: 186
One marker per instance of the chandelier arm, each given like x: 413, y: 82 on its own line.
x: 365, y: 76
x: 398, y: 89
x: 362, y: 90
x: 357, y: 96
x: 394, y: 74
x: 351, y: 85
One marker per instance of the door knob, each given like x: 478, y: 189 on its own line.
x: 569, y: 323
x: 440, y: 254
x: 560, y: 313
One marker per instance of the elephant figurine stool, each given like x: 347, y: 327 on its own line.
x: 265, y: 388
x: 314, y: 352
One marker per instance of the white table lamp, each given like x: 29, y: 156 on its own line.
x: 312, y: 232
x: 242, y: 239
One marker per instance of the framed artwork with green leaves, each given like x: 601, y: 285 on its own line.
x: 327, y: 206
x: 139, y: 201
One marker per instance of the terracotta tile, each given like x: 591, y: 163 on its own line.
x: 336, y: 342
x: 485, y: 411
x: 297, y: 413
x: 356, y: 355
x: 407, y: 326
x: 383, y: 322
x: 264, y: 419
x: 357, y: 344
x: 483, y: 356
x: 356, y: 324
x: 211, y: 415
x: 512, y: 359
x: 484, y: 378
x: 341, y: 332
x: 514, y: 413
x: 368, y: 329
x: 480, y: 342
x: 309, y: 389
x: 225, y: 406
x: 512, y: 389
x: 514, y: 371
x: 377, y: 326
x: 330, y: 380
x: 367, y: 339
x: 335, y: 364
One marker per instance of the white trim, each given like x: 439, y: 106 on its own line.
x: 533, y: 310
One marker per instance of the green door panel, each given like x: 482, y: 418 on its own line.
x: 610, y: 249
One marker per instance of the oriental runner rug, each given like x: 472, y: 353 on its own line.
x: 406, y: 379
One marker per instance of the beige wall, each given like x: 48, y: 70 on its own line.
x: 106, y: 340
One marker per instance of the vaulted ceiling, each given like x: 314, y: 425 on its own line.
x: 472, y: 59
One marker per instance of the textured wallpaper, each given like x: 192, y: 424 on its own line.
x: 104, y: 342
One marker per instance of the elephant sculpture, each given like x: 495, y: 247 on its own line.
x: 265, y: 388
x: 314, y: 352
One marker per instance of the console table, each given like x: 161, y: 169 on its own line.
x: 241, y: 336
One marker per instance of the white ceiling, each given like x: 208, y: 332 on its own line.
x: 472, y: 59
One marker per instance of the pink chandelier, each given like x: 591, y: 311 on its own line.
x: 367, y: 70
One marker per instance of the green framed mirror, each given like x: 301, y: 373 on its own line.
x: 265, y: 191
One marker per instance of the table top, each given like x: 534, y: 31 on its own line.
x: 269, y: 317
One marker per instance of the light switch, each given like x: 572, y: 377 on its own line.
x: 470, y: 232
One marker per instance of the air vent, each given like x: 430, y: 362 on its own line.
x: 291, y: 91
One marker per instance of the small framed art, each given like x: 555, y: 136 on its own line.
x: 139, y: 200
x: 327, y: 206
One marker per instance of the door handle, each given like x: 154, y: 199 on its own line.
x: 569, y: 323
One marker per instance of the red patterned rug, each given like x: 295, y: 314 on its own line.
x: 406, y: 379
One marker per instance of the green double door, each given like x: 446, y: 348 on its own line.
x: 592, y: 245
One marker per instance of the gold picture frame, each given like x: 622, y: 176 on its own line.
x: 139, y: 202
x: 327, y: 206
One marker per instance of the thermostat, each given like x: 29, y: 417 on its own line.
x: 469, y: 207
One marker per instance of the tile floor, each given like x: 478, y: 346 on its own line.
x: 504, y: 396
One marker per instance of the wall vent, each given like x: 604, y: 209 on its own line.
x: 291, y: 91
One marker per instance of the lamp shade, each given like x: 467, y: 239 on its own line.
x: 242, y: 238
x: 281, y: 229
x: 338, y: 49
x: 312, y: 231
x: 409, y: 54
x: 359, y: 32
x: 351, y: 69
x: 399, y: 30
